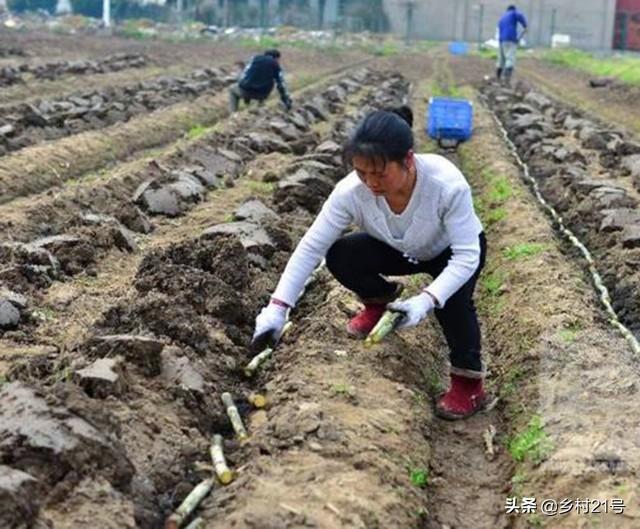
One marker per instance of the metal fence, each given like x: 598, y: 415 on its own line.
x: 589, y: 24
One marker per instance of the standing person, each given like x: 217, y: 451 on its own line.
x: 415, y: 215
x: 257, y: 80
x: 509, y: 39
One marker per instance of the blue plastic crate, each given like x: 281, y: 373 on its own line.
x: 450, y: 119
x: 458, y: 48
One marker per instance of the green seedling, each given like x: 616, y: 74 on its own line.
x: 432, y: 381
x: 64, y: 374
x: 478, y: 206
x: 522, y: 250
x: 493, y: 282
x: 487, y: 53
x: 622, y: 489
x: 495, y: 215
x: 489, y: 215
x: 500, y: 191
x: 264, y: 188
x: 419, y: 477
x: 570, y: 332
x: 518, y: 481
x: 419, y: 399
x: 196, y: 132
x: 568, y: 335
x: 535, y: 520
x: 533, y: 444
x: 343, y: 389
x: 387, y: 49
x: 508, y: 387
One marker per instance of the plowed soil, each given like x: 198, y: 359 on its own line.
x: 135, y: 290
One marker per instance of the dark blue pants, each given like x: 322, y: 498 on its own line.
x: 359, y: 262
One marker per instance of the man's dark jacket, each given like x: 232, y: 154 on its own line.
x: 259, y: 76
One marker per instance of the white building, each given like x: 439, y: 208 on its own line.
x: 589, y: 23
x: 63, y: 7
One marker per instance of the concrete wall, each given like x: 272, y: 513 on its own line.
x: 589, y: 22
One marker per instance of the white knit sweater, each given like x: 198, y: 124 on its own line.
x: 443, y: 217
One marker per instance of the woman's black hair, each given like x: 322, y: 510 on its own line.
x: 383, y: 134
x: 273, y: 53
x: 404, y: 112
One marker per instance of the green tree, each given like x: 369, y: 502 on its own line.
x: 31, y: 5
x: 370, y: 14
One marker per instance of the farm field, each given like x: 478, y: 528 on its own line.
x: 142, y: 228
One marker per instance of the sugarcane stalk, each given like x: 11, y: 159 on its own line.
x: 225, y: 476
x: 263, y: 355
x: 385, y: 325
x: 489, y: 436
x: 257, y: 361
x: 312, y: 278
x: 189, y: 504
x: 197, y: 523
x: 234, y: 416
x: 257, y: 400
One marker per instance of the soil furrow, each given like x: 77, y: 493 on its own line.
x: 469, y: 468
x: 26, y: 124
x: 43, y: 166
x: 233, y: 283
x: 583, y: 170
x: 613, y: 105
x: 20, y: 73
x: 554, y: 356
x: 87, y: 226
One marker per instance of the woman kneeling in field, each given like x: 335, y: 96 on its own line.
x: 416, y: 215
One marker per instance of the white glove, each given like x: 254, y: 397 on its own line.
x: 271, y: 320
x: 415, y: 309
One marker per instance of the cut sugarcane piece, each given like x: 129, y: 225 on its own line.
x: 314, y: 275
x: 189, y: 504
x: 234, y: 416
x: 197, y: 523
x: 257, y: 400
x: 312, y: 278
x: 173, y: 522
x: 286, y: 328
x: 256, y: 361
x: 225, y: 476
x: 385, y: 325
x: 263, y: 355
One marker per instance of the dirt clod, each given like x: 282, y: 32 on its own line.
x: 40, y: 436
x: 17, y: 497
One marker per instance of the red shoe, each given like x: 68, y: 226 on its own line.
x: 465, y: 397
x: 363, y: 322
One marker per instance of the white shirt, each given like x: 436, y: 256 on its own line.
x: 398, y: 223
x: 442, y: 216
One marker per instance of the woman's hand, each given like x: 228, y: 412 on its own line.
x: 269, y: 324
x: 415, y: 309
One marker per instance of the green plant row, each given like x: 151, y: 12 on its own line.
x: 625, y: 68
